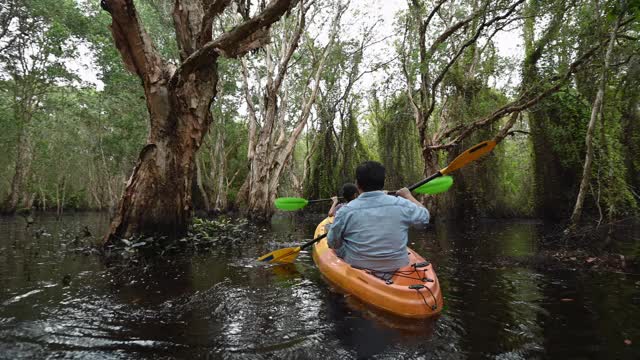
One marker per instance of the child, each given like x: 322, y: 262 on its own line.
x: 349, y: 192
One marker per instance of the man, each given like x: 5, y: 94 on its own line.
x: 371, y: 231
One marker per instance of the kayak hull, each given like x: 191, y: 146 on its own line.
x: 412, y: 292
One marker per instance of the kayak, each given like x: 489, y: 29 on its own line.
x: 410, y: 292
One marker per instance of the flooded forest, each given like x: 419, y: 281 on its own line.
x: 166, y: 164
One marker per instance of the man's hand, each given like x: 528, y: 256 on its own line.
x: 405, y: 193
x: 334, y: 199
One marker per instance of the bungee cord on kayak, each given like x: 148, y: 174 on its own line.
x: 388, y: 279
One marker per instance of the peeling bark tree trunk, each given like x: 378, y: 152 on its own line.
x: 203, y: 191
x: 219, y: 174
x: 43, y: 200
x: 595, y: 111
x: 61, y: 188
x: 157, y: 198
x: 22, y: 168
x: 271, y: 147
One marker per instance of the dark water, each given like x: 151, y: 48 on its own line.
x: 58, y: 304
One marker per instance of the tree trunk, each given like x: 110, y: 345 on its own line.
x: 552, y: 181
x: 60, y: 196
x: 221, y: 186
x: 43, y: 199
x: 107, y: 174
x: 595, y: 110
x: 431, y: 166
x: 259, y: 206
x: 272, y: 146
x: 157, y: 197
x: 28, y: 200
x: 203, y: 191
x: 22, y: 168
x: 218, y: 174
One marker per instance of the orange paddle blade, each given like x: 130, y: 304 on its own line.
x: 470, y: 155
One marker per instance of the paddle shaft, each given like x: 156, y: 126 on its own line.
x: 311, y: 242
x: 420, y: 183
x: 322, y: 200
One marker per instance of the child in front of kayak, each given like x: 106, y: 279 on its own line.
x: 371, y: 232
x: 349, y: 192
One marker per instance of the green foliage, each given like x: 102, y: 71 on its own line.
x: 323, y: 178
x: 203, y: 236
x: 477, y: 189
x: 335, y: 159
x: 397, y: 141
x: 354, y: 150
x: 628, y: 99
x: 337, y: 147
x: 558, y: 129
x: 8, y: 136
x: 611, y: 185
x: 567, y: 118
x: 84, y: 141
x: 514, y: 176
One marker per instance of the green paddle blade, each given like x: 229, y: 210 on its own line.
x: 435, y: 186
x: 291, y: 203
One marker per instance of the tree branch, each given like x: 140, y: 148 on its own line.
x: 292, y: 46
x: 253, y: 120
x: 134, y: 44
x: 212, y: 11
x: 403, y: 62
x: 187, y: 22
x: 306, y: 111
x: 473, y: 39
x: 516, y: 106
x: 504, y: 132
x: 450, y: 31
x: 245, y: 37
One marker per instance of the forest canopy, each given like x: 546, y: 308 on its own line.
x: 227, y: 105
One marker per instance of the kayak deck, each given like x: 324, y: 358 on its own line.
x: 411, y: 292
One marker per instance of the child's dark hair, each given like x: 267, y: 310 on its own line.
x: 349, y: 191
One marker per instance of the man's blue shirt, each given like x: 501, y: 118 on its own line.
x: 372, y: 230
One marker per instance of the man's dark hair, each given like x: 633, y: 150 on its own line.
x: 349, y: 191
x: 370, y: 176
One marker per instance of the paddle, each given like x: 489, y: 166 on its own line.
x: 295, y: 203
x: 433, y: 187
x: 289, y: 255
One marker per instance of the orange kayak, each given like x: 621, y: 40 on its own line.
x: 411, y: 292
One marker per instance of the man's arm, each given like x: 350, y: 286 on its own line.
x: 415, y: 214
x: 405, y: 193
x: 334, y: 237
x: 332, y: 211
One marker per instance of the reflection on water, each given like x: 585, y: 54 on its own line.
x: 55, y: 303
